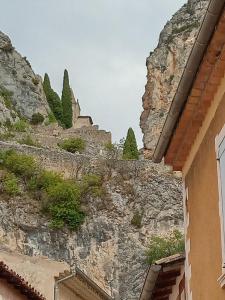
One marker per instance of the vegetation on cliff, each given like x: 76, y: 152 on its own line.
x: 60, y: 198
x: 37, y: 118
x: 73, y: 145
x: 164, y: 246
x: 67, y: 101
x: 130, y: 150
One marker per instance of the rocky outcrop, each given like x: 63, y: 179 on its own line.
x: 20, y: 88
x: 109, y: 247
x: 165, y: 66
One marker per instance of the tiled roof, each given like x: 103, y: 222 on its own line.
x: 19, y: 283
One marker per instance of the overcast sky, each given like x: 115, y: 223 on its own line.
x: 102, y: 43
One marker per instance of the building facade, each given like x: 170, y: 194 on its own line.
x: 192, y: 141
x: 78, y: 120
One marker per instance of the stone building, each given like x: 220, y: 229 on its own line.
x: 78, y: 286
x: 78, y: 120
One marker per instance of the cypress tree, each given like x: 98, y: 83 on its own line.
x: 130, y: 150
x: 67, y: 101
x: 53, y: 99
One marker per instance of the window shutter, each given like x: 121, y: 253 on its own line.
x: 221, y: 158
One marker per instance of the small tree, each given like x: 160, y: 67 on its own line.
x: 67, y: 101
x: 53, y: 99
x: 130, y: 150
x: 164, y: 246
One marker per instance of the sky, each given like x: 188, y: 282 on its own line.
x: 102, y: 43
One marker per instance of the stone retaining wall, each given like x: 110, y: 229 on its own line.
x: 68, y: 164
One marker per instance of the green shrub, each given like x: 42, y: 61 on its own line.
x: 36, y: 119
x: 66, y: 215
x: 27, y: 140
x: 92, y: 184
x: 73, y: 145
x: 10, y: 184
x: 44, y: 179
x: 164, y: 246
x: 19, y: 164
x: 64, y: 191
x: 137, y: 219
x: 64, y: 204
x: 20, y: 126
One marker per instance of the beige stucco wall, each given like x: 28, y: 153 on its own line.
x: 38, y: 271
x: 66, y: 294
x: 76, y: 113
x: 205, y: 256
x: 8, y: 292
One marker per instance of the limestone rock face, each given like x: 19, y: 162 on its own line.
x: 17, y: 77
x: 108, y: 247
x: 165, y: 66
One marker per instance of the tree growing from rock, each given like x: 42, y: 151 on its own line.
x: 130, y: 150
x: 53, y: 99
x: 67, y: 101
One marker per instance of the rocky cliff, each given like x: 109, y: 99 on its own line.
x: 165, y: 66
x: 21, y: 91
x: 109, y: 246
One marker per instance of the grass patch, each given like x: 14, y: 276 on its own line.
x: 27, y: 140
x: 20, y: 126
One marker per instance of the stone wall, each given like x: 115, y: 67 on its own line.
x: 68, y: 164
x: 51, y: 136
x: 91, y: 134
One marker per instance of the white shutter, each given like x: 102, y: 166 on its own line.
x: 221, y: 158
